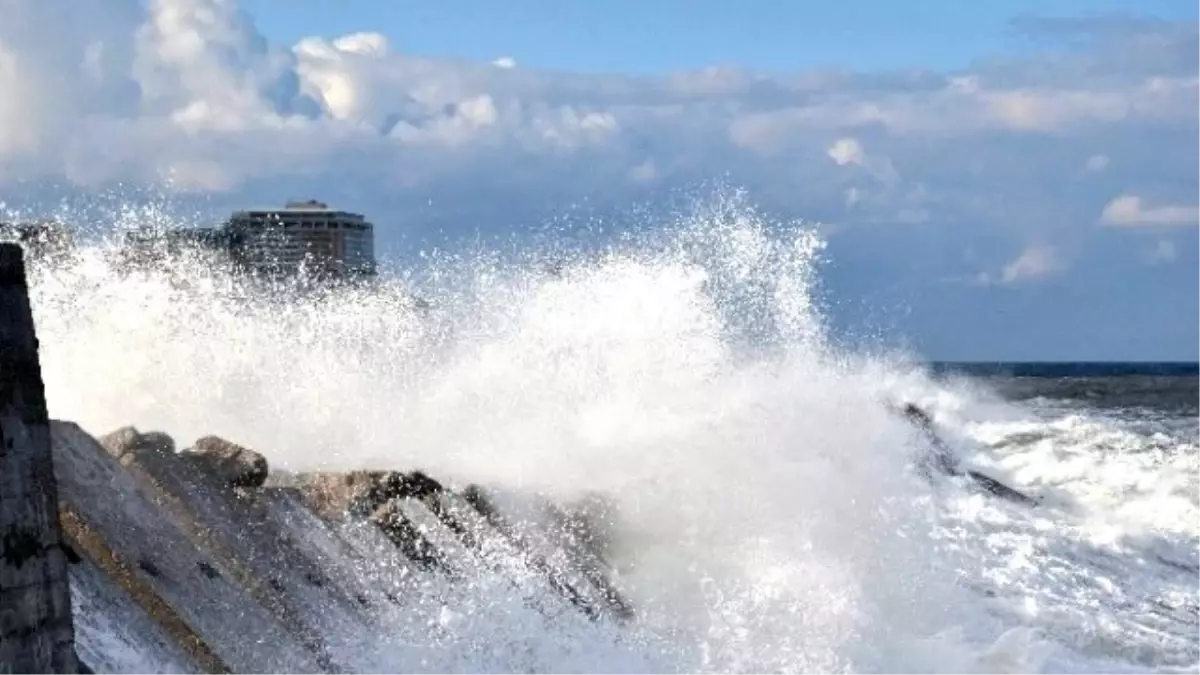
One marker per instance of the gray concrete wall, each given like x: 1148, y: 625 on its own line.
x: 36, y: 633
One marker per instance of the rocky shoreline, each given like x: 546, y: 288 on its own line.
x: 124, y: 554
x: 206, y: 557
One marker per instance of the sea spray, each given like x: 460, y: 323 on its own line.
x: 766, y: 515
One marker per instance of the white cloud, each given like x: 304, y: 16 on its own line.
x: 201, y: 64
x: 363, y: 43
x: 188, y: 93
x: 913, y: 166
x: 1035, y: 262
x: 846, y: 151
x: 1054, y: 110
x: 1129, y: 211
x: 849, y: 151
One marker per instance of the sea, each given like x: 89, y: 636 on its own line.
x: 768, y: 511
x: 1108, y: 562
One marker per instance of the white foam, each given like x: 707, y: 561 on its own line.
x: 767, y: 517
x: 1108, y: 564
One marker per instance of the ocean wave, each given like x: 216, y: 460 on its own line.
x: 770, y: 517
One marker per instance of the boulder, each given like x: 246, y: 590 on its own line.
x: 360, y: 493
x: 335, y: 495
x: 130, y: 441
x: 479, y: 499
x: 378, y: 488
x: 230, y: 462
x: 417, y: 485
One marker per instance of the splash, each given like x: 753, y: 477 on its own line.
x: 768, y: 517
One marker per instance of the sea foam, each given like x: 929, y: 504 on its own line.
x: 767, y: 514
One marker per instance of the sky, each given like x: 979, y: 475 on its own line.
x: 1009, y: 180
x: 634, y: 37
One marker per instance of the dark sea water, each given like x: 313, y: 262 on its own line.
x: 1165, y: 387
x: 1080, y: 369
x: 1144, y: 397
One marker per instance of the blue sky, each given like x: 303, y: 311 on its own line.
x: 639, y: 37
x: 1007, y: 180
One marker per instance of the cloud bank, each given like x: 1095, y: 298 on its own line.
x: 982, y: 171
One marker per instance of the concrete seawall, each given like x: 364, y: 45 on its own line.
x: 36, y: 632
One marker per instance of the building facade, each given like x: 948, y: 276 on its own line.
x: 302, y: 237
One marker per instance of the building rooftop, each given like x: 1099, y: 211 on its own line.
x: 309, y: 206
x: 306, y: 205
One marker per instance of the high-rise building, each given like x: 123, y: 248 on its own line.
x: 303, y: 236
x: 303, y: 239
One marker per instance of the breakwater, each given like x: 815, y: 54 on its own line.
x: 125, y: 553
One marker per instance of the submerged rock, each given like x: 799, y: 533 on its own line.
x: 232, y: 463
x: 1001, y: 490
x: 943, y: 460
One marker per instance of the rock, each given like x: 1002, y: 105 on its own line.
x: 139, y: 509
x: 381, y: 490
x: 943, y: 459
x: 477, y: 498
x: 335, y: 495
x: 232, y: 463
x: 1001, y: 490
x: 390, y: 518
x: 378, y: 488
x: 359, y: 494
x: 417, y: 485
x: 128, y: 440
x: 940, y: 457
